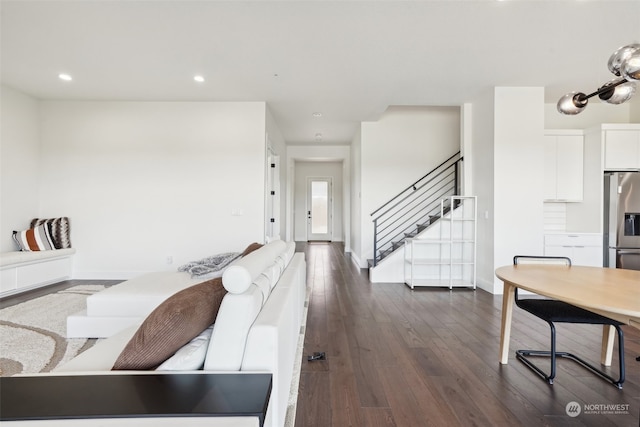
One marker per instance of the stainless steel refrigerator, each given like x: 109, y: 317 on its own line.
x: 622, y: 220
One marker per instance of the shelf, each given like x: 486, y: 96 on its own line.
x: 448, y: 257
x: 427, y: 261
x: 440, y: 261
x: 441, y: 283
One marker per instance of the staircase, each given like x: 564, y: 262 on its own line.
x: 415, y: 208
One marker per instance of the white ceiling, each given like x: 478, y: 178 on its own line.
x: 346, y: 59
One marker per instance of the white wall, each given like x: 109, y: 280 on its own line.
x: 142, y: 181
x: 518, y: 172
x: 483, y: 186
x: 356, y: 200
x: 20, y: 164
x: 399, y: 148
x: 304, y: 171
x: 508, y: 130
x: 634, y: 109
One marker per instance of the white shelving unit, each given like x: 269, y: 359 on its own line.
x: 448, y: 257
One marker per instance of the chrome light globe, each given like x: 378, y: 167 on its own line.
x: 625, y: 64
x: 572, y: 103
x: 630, y: 68
x: 620, y: 56
x: 617, y: 94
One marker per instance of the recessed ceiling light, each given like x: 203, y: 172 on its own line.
x: 318, y: 137
x: 317, y: 114
x: 199, y: 78
x: 65, y: 77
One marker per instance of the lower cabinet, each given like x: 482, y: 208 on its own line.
x: 21, y: 277
x: 582, y: 248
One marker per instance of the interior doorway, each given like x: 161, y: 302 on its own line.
x: 319, y: 200
x: 303, y: 172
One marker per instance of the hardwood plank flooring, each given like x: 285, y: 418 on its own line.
x: 10, y: 300
x: 429, y: 357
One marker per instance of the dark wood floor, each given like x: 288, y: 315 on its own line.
x: 429, y: 357
x: 38, y: 292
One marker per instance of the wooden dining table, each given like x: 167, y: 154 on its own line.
x: 611, y: 292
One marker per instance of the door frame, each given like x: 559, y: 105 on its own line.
x: 272, y: 197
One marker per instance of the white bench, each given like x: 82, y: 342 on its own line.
x: 21, y: 271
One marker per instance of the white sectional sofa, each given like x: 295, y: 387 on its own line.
x: 259, y: 327
x: 125, y: 305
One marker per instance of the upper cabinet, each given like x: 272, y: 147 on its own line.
x: 563, y: 165
x: 622, y: 148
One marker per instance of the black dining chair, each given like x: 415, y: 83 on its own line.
x: 553, y: 311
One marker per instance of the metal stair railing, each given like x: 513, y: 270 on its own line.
x: 414, y: 208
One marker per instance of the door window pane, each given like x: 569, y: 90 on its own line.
x: 319, y: 207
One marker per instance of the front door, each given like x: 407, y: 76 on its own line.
x: 319, y: 209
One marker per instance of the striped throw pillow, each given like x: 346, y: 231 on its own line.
x: 59, y: 228
x: 34, y: 239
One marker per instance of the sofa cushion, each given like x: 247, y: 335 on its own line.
x: 171, y: 325
x: 189, y: 357
x: 60, y: 230
x: 34, y: 239
x: 241, y: 273
x: 237, y: 314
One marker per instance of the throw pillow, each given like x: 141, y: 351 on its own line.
x: 60, y: 230
x: 171, y: 325
x: 252, y: 247
x: 34, y: 239
x: 190, y: 357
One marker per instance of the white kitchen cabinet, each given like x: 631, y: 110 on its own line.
x: 563, y: 165
x: 581, y: 248
x: 621, y: 149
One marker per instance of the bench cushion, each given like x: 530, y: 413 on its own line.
x: 18, y: 257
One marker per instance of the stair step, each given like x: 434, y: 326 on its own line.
x: 385, y: 253
x: 397, y: 245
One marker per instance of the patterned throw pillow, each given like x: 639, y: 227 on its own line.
x: 34, y: 239
x: 59, y: 228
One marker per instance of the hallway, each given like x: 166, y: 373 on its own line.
x: 397, y: 357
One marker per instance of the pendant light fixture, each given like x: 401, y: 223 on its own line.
x: 624, y: 63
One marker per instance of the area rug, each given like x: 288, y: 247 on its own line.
x: 32, y: 333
